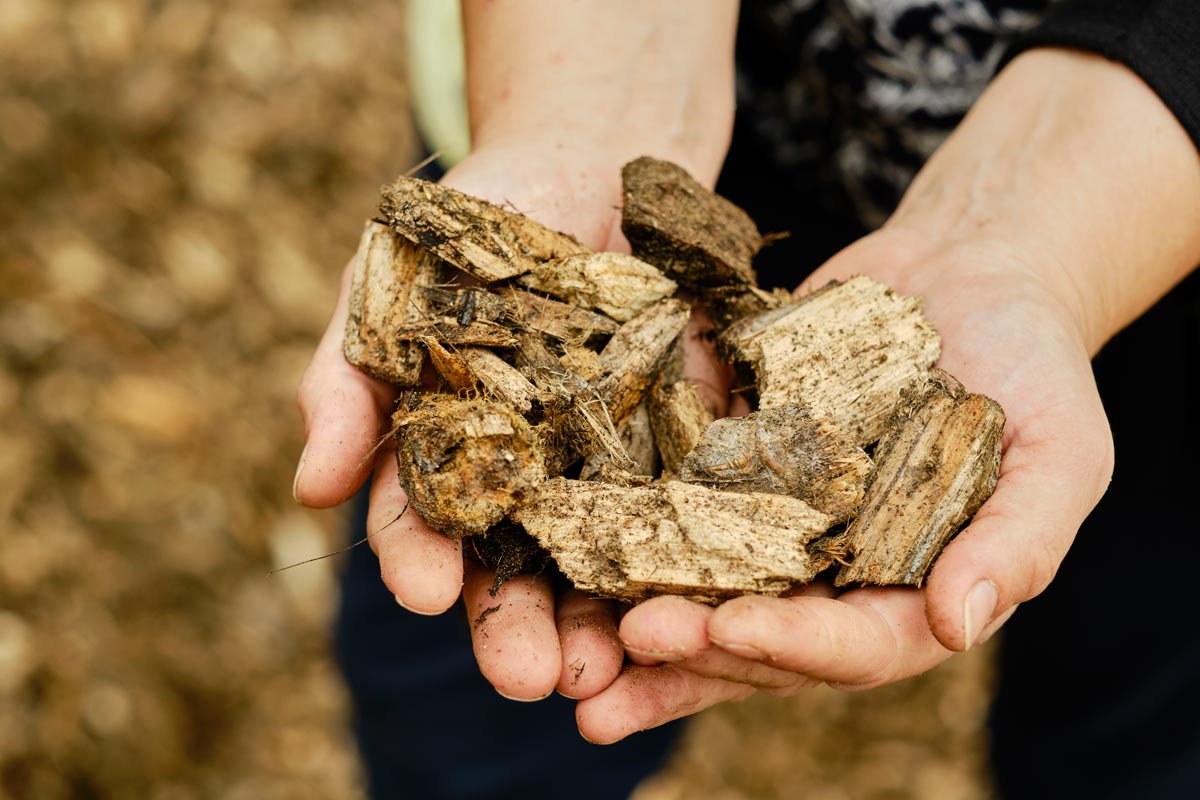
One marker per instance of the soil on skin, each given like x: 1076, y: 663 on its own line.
x: 181, y: 183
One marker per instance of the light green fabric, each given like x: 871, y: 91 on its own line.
x: 437, y: 76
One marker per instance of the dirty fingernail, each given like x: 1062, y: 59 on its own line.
x: 978, y: 609
x: 743, y: 650
x: 660, y: 655
x: 299, y: 470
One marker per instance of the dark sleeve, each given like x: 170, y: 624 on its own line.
x: 1157, y: 39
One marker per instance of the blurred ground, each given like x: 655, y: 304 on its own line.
x: 180, y: 183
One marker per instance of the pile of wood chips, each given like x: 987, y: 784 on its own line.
x: 553, y: 361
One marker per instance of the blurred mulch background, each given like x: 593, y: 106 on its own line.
x: 181, y: 182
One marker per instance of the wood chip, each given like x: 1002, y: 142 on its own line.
x: 782, y: 451
x: 502, y: 381
x: 618, y: 285
x: 637, y: 352
x: 678, y: 417
x: 846, y: 351
x: 938, y: 464
x: 449, y: 332
x: 520, y: 311
x: 696, y: 237
x: 385, y: 297
x: 464, y: 463
x: 486, y: 241
x: 674, y: 538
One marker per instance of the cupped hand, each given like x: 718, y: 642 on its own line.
x: 528, y: 641
x: 1010, y: 330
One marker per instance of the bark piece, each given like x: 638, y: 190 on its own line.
x: 385, y: 297
x: 482, y: 239
x: 782, y: 451
x: 615, y: 284
x: 450, y: 332
x: 501, y: 380
x: 638, y: 439
x: 938, y: 464
x: 464, y: 463
x: 846, y: 351
x: 519, y: 311
x: 696, y: 237
x: 636, y: 354
x: 509, y: 550
x: 678, y: 417
x: 674, y: 538
x: 450, y: 365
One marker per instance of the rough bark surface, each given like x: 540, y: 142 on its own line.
x: 385, y: 296
x: 696, y: 237
x: 938, y: 464
x: 614, y: 284
x: 633, y: 542
x: 846, y: 351
x: 782, y: 451
x: 464, y: 463
x: 486, y: 241
x: 520, y: 311
x: 678, y: 417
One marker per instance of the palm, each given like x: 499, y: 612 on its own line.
x: 1003, y: 335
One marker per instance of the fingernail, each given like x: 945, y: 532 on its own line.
x: 978, y: 609
x: 743, y: 650
x: 663, y: 656
x: 524, y: 699
x: 415, y: 610
x: 299, y: 469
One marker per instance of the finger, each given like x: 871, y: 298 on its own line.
x: 513, y: 633
x: 1013, y: 547
x: 646, y: 697
x: 675, y: 630
x: 591, y: 651
x: 420, y: 566
x: 342, y: 409
x: 865, y: 638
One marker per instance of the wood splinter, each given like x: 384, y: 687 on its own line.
x: 938, y: 464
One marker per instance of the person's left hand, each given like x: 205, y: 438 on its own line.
x: 1006, y: 333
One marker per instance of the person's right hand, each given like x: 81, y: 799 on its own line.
x: 532, y: 642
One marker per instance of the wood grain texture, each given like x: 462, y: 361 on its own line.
x: 937, y: 466
x: 385, y: 297
x: 615, y: 284
x: 633, y: 542
x: 846, y: 351
x: 484, y: 240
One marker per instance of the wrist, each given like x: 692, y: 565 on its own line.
x: 1087, y: 184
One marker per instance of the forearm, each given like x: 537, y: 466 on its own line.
x: 1080, y: 163
x: 619, y: 78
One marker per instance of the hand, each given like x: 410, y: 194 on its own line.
x: 1028, y: 257
x: 531, y: 642
x: 1004, y: 334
